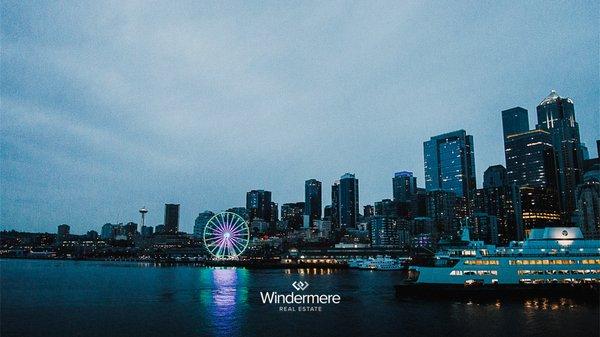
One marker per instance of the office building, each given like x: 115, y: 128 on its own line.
x: 293, y: 214
x: 171, y: 219
x: 63, y: 232
x: 348, y: 190
x: 200, y: 223
x: 258, y: 204
x: 404, y: 186
x: 450, y: 165
x: 556, y: 115
x: 313, y: 199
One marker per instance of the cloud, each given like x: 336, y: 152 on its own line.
x: 108, y: 106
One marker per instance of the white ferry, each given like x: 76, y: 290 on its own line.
x: 378, y: 263
x: 550, y: 258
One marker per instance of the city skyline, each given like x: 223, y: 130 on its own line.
x: 99, y: 146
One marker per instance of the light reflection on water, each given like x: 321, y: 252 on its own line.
x: 112, y: 298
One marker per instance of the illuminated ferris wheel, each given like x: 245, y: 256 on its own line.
x: 226, y: 235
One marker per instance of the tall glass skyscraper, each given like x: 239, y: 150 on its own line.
x: 171, y: 218
x: 450, y: 164
x: 557, y: 116
x: 335, y: 204
x: 312, y: 200
x: 404, y: 186
x: 515, y: 120
x: 258, y: 204
x: 348, y: 190
x: 530, y: 159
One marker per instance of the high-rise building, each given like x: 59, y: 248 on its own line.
x: 171, y: 218
x: 368, y: 211
x: 484, y: 227
x: 258, y: 204
x: 313, y: 199
x: 587, y: 197
x: 497, y: 199
x: 386, y: 232
x: 515, y: 120
x: 450, y: 164
x: 441, y: 209
x: 335, y: 204
x: 241, y: 211
x: 539, y: 209
x: 63, y: 232
x: 530, y: 159
x: 348, y: 200
x: 293, y: 214
x: 556, y: 115
x: 404, y: 186
x: 200, y: 223
x: 147, y: 231
x: 495, y: 176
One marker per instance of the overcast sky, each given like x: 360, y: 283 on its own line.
x: 110, y: 106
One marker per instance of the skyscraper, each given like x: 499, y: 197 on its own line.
x: 63, y: 232
x: 450, y: 165
x: 200, y: 223
x: 348, y: 194
x: 515, y: 120
x: 313, y: 200
x: 495, y: 176
x: 530, y: 159
x: 335, y: 204
x: 404, y: 186
x: 171, y: 218
x: 293, y: 213
x: 258, y: 204
x: 557, y: 116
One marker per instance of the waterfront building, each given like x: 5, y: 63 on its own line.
x: 200, y: 223
x: 293, y: 214
x: 404, y: 186
x: 171, y: 218
x: 450, y: 166
x: 556, y: 115
x: 63, y: 232
x: 313, y: 199
x: 348, y: 194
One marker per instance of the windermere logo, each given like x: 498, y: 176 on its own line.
x: 299, y: 285
x: 292, y: 302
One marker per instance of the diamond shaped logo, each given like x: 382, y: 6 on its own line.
x: 300, y: 285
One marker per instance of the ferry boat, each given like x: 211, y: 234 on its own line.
x: 551, y: 261
x: 378, y: 263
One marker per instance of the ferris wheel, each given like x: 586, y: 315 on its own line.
x: 226, y: 235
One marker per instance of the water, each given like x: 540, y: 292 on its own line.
x: 71, y: 298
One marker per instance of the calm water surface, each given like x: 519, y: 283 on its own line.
x: 71, y: 298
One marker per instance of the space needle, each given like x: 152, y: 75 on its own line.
x: 143, y: 212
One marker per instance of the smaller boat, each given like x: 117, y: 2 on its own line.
x: 381, y: 263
